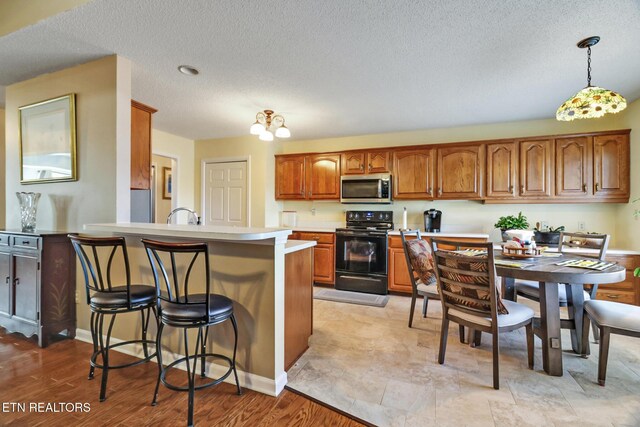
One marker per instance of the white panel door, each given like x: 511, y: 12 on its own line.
x: 226, y: 193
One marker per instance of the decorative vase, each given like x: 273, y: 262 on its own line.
x: 28, y: 209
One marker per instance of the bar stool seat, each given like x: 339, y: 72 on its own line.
x: 220, y: 308
x: 117, y: 297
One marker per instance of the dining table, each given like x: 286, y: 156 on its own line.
x: 548, y: 269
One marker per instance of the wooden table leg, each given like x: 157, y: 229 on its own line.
x: 550, y: 325
x: 508, y: 288
x: 575, y: 306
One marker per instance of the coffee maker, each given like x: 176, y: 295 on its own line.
x: 432, y: 220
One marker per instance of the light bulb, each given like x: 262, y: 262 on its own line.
x: 266, y: 136
x: 283, y: 132
x: 257, y: 128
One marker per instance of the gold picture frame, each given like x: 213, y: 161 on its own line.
x: 167, y: 183
x: 48, y: 141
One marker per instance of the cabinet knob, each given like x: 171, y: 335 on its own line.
x: 6, y: 280
x: 522, y: 189
x: 511, y: 189
x: 429, y: 190
x: 613, y: 296
x: 439, y: 191
x: 584, y: 188
x: 370, y: 167
x: 361, y: 167
x: 597, y: 186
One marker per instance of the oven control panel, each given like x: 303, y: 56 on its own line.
x: 370, y: 216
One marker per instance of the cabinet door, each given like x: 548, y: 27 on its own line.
x: 502, y: 170
x: 573, y: 157
x: 324, y: 265
x: 290, y: 177
x: 6, y: 281
x: 378, y: 162
x: 535, y: 168
x: 141, y: 145
x: 414, y: 174
x: 353, y: 163
x: 26, y: 287
x: 611, y: 166
x: 323, y: 176
x: 399, y: 280
x: 460, y: 172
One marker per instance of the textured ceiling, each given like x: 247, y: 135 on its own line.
x: 341, y: 67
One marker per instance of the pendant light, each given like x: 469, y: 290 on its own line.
x: 592, y: 101
x: 265, y: 124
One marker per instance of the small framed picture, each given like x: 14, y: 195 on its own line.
x: 166, y: 183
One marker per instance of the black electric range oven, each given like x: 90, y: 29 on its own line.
x: 361, y: 252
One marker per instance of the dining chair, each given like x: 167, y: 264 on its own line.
x: 610, y: 318
x: 183, y: 304
x: 101, y: 258
x: 570, y: 242
x: 470, y: 297
x: 421, y: 274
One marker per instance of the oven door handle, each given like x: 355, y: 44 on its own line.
x: 356, y: 234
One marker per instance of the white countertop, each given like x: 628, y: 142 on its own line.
x: 580, y: 250
x: 452, y: 235
x: 298, y: 245
x: 205, y: 232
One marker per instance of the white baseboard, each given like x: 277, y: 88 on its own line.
x: 247, y: 380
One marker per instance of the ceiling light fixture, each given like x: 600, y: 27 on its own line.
x: 592, y: 101
x: 188, y: 70
x: 265, y: 124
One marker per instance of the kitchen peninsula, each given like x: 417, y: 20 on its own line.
x: 249, y: 265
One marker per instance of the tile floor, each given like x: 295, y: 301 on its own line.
x: 368, y: 363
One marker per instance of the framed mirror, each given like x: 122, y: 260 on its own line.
x: 48, y: 141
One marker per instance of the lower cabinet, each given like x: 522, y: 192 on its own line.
x: 37, y: 288
x: 628, y: 291
x: 324, y: 255
x: 399, y: 280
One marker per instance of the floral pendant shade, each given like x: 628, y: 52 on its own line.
x: 592, y: 101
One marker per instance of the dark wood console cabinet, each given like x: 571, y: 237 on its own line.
x: 37, y: 284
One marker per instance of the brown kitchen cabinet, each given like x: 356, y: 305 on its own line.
x: 398, y: 273
x: 141, y: 145
x: 573, y: 167
x: 414, y: 174
x: 460, y: 172
x: 361, y: 162
x: 290, y: 177
x: 502, y: 170
x: 324, y: 255
x: 611, y: 166
x: 627, y: 291
x: 37, y: 292
x: 310, y: 177
x: 536, y: 157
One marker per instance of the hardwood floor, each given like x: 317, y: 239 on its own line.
x: 57, y: 375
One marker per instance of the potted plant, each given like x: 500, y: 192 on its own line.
x: 511, y: 222
x: 548, y: 236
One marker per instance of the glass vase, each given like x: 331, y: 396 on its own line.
x: 28, y: 210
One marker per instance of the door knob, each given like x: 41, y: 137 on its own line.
x: 6, y: 280
x: 16, y: 281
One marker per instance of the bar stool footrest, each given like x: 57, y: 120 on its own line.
x: 199, y: 386
x: 95, y: 355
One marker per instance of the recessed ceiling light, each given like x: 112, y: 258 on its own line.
x: 188, y: 70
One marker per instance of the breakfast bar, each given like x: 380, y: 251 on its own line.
x: 248, y: 266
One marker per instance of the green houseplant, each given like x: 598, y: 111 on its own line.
x: 511, y: 222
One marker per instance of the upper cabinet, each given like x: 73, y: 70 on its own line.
x: 535, y: 168
x: 502, y: 170
x: 611, y: 166
x: 579, y: 168
x: 361, y: 162
x: 300, y: 177
x: 573, y: 166
x: 141, y: 145
x: 290, y: 177
x: 414, y: 174
x: 460, y: 172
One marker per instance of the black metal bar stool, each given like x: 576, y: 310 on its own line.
x: 180, y: 307
x: 97, y: 256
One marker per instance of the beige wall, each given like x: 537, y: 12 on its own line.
x: 21, y: 13
x: 182, y: 150
x: 96, y: 196
x: 163, y: 206
x: 2, y: 171
x: 628, y: 224
x: 264, y: 208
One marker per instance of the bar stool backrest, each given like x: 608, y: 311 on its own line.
x: 171, y: 277
x: 97, y: 256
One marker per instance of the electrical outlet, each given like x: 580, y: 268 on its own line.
x: 581, y: 226
x: 313, y: 211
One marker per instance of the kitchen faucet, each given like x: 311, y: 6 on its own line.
x: 194, y: 219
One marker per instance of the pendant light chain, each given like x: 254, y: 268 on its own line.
x: 589, y: 66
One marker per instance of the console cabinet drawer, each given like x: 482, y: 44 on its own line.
x: 627, y: 297
x: 25, y: 242
x: 327, y: 238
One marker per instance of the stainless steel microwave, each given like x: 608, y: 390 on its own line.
x: 374, y: 188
